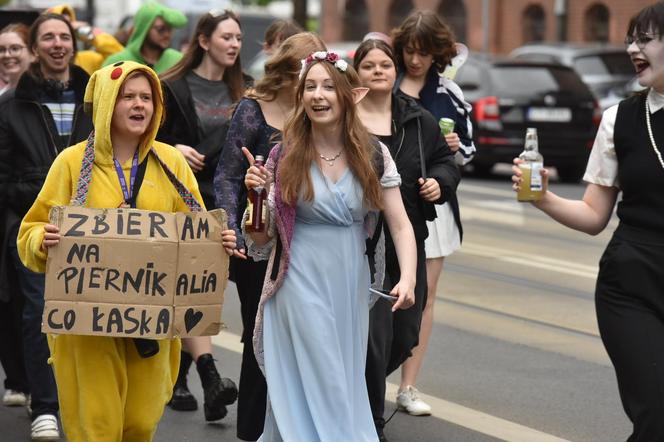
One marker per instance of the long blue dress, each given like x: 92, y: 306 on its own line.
x: 316, y: 325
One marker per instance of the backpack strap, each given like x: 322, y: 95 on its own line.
x: 80, y: 197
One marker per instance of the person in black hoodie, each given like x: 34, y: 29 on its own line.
x: 199, y: 92
x: 429, y: 176
x: 42, y: 117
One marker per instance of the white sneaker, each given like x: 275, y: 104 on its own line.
x: 45, y: 428
x: 13, y: 398
x: 409, y: 401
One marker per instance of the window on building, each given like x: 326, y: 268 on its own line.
x: 454, y: 14
x: 399, y: 10
x: 596, y: 23
x: 534, y: 24
x: 356, y: 20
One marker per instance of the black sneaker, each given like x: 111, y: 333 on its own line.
x: 219, y: 391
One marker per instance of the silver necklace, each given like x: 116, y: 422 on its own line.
x: 652, y: 138
x: 329, y: 160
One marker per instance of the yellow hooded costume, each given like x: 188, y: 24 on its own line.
x: 107, y: 392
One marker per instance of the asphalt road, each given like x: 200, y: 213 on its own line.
x: 515, y: 353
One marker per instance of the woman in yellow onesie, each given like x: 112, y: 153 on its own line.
x: 107, y: 391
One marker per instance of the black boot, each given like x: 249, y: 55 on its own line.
x: 182, y: 399
x: 219, y: 391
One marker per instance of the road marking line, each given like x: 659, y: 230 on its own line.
x: 464, y: 186
x: 441, y: 409
x: 531, y: 260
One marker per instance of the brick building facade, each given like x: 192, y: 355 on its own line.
x: 512, y: 23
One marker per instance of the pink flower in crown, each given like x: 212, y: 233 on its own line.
x: 332, y: 57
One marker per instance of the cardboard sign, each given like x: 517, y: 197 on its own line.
x: 135, y: 273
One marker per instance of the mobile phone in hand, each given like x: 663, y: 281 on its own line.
x: 383, y: 294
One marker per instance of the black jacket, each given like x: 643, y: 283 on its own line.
x: 29, y: 142
x: 438, y: 160
x: 181, y: 127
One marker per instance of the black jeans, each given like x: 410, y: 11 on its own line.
x: 630, y: 312
x: 43, y: 390
x: 392, y: 336
x: 252, y: 394
x: 11, y: 342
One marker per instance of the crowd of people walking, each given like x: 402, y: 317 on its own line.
x: 338, y: 291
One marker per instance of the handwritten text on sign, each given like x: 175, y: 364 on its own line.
x: 122, y: 272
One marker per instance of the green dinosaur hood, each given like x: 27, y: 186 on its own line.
x: 144, y: 18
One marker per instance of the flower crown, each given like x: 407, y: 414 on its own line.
x: 330, y: 57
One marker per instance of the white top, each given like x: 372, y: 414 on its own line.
x: 602, y: 166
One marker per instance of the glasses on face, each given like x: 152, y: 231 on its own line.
x: 641, y: 39
x: 12, y: 50
x: 162, y: 29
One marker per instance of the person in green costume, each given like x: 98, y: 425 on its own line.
x: 151, y: 39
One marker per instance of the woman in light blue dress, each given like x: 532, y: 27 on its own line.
x: 312, y: 324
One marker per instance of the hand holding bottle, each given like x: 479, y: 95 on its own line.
x: 257, y: 175
x: 517, y: 178
x: 453, y: 141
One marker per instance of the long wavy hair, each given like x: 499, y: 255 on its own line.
x: 194, y: 54
x: 282, y: 69
x: 300, y: 151
x: 426, y: 31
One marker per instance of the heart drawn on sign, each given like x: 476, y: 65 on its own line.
x: 191, y: 318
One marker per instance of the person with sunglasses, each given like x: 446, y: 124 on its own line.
x: 627, y: 158
x: 150, y: 41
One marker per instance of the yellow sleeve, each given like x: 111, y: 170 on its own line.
x: 106, y: 44
x: 56, y: 191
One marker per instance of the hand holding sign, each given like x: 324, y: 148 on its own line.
x: 51, y: 236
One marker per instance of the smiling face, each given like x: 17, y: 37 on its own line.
x: 54, y: 47
x: 223, y: 46
x: 647, y: 55
x: 319, y: 97
x: 377, y: 71
x: 134, y: 108
x: 417, y: 62
x: 15, y: 58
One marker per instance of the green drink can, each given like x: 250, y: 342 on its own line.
x: 446, y: 125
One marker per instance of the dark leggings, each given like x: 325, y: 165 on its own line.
x: 249, y: 276
x: 630, y: 313
x: 392, y: 336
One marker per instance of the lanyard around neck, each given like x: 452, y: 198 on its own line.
x: 126, y: 190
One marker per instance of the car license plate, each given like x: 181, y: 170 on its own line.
x: 550, y: 114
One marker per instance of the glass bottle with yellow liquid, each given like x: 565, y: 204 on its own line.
x: 532, y: 162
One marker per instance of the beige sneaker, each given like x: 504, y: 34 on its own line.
x: 409, y: 401
x: 45, y: 428
x: 13, y: 398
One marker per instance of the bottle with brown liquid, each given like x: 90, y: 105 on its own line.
x: 531, y: 184
x: 257, y: 198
